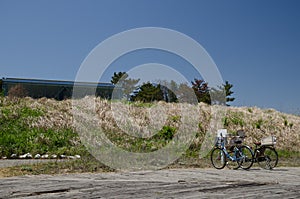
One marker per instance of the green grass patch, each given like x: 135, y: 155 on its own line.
x: 38, y: 141
x: 18, y: 137
x: 143, y: 145
x: 288, y: 154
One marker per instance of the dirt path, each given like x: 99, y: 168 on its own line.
x: 177, y: 183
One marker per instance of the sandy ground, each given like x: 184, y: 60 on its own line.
x: 282, y: 182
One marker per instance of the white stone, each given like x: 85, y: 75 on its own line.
x: 45, y: 156
x: 13, y: 155
x: 22, y: 156
x: 37, y: 156
x: 28, y: 155
x: 53, y: 156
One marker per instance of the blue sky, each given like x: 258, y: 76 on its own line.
x: 255, y: 44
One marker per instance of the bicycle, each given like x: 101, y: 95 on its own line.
x: 242, y: 155
x: 265, y: 154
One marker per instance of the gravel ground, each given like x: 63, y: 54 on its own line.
x: 282, y: 182
x: 18, y: 162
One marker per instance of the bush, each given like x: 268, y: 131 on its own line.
x: 17, y: 91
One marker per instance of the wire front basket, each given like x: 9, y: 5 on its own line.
x: 229, y: 140
x: 270, y: 140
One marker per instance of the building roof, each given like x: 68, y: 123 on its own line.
x: 57, y: 89
x: 55, y: 82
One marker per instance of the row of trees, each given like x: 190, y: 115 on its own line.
x: 171, y: 91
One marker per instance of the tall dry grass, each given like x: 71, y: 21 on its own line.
x: 146, y: 120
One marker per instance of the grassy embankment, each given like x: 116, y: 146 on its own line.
x: 45, y: 126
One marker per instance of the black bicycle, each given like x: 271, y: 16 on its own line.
x: 265, y: 154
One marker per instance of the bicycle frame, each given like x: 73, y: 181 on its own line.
x: 242, y: 154
x: 260, y: 149
x: 223, y: 148
x: 265, y: 153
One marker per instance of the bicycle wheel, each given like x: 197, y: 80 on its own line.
x: 246, y: 157
x: 268, y: 158
x: 232, y: 164
x: 218, y: 158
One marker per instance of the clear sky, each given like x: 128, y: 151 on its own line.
x: 255, y: 44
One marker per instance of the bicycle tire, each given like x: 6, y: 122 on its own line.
x: 269, y: 159
x: 246, y: 158
x: 218, y: 158
x: 232, y: 164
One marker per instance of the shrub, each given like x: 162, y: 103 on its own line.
x: 17, y: 91
x: 258, y: 123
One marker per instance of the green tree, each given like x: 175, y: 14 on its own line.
x: 228, y: 92
x: 172, y: 92
x: 201, y: 90
x: 222, y: 95
x: 186, y: 94
x: 148, y: 93
x: 124, y: 83
x: 169, y: 90
x: 117, y: 76
x: 205, y: 94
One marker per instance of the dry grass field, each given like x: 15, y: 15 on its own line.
x: 46, y: 126
x: 256, y: 122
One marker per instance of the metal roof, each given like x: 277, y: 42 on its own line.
x: 55, y: 82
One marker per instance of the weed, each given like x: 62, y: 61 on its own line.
x: 237, y: 121
x: 201, y: 128
x: 287, y: 154
x: 225, y: 121
x: 176, y: 118
x: 258, y: 124
x: 234, y: 118
x: 166, y: 133
x: 26, y: 168
x: 285, y: 122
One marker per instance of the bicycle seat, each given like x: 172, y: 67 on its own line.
x: 238, y: 141
x: 241, y: 133
x: 257, y: 143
